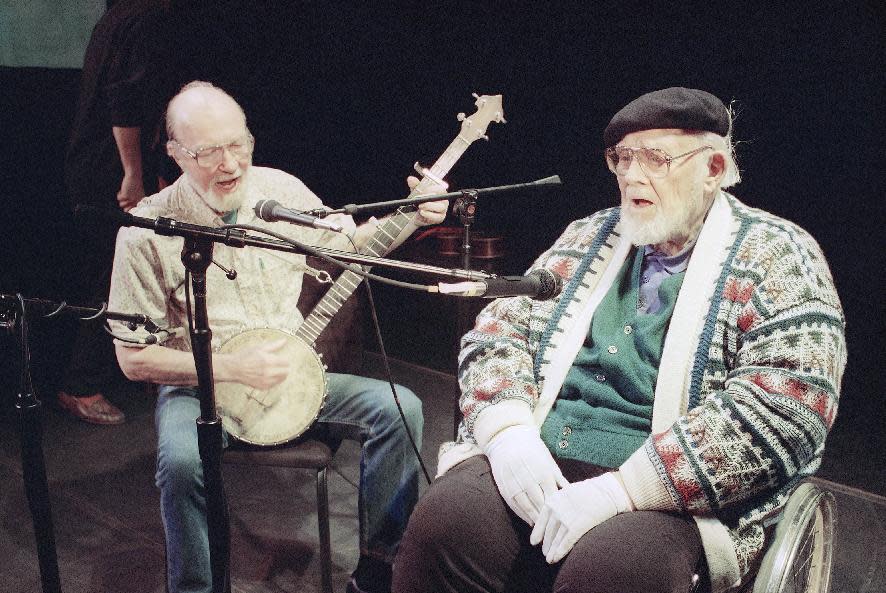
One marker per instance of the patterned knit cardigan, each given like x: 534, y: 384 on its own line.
x: 747, y: 387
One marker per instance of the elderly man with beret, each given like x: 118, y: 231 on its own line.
x: 649, y: 424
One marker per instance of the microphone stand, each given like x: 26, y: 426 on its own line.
x: 13, y: 316
x: 197, y: 257
x: 30, y: 429
x: 546, y: 183
x: 465, y: 207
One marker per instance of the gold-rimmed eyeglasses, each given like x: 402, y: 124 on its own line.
x: 654, y: 161
x: 212, y: 156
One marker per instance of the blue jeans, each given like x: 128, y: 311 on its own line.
x: 356, y: 408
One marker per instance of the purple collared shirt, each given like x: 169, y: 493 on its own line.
x: 656, y: 267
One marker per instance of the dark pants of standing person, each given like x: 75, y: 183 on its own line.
x: 463, y: 538
x: 93, y: 366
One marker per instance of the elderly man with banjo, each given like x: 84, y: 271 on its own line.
x: 262, y: 362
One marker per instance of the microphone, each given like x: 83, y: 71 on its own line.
x: 272, y: 211
x: 162, y: 336
x: 541, y: 285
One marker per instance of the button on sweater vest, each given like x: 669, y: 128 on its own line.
x: 604, y: 410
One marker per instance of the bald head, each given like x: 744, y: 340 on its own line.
x: 200, y: 104
x: 209, y: 140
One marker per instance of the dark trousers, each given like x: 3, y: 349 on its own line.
x: 463, y: 538
x: 93, y: 365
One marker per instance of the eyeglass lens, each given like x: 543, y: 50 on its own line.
x: 213, y: 155
x: 653, y: 161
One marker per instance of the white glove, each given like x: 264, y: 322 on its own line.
x: 575, y: 510
x: 524, y: 470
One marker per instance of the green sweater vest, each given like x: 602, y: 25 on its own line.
x: 604, y: 410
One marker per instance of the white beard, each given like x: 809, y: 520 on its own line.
x: 679, y: 222
x: 225, y: 202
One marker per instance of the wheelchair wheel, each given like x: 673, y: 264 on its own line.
x: 800, y: 556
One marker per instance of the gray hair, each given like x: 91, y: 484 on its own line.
x: 732, y: 176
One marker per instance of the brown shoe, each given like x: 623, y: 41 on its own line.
x: 91, y: 408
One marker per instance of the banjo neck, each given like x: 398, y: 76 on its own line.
x: 473, y: 128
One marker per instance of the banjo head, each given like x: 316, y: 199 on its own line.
x: 282, y: 413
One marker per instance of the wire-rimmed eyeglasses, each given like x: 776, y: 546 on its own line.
x: 654, y: 161
x: 212, y: 156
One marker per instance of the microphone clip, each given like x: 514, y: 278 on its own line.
x: 465, y: 206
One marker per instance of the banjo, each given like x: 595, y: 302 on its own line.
x: 282, y: 413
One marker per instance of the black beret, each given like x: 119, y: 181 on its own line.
x: 675, y: 107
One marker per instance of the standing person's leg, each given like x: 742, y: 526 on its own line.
x: 182, y: 498
x: 364, y: 409
x: 92, y: 368
x: 463, y: 538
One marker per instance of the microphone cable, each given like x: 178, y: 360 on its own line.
x: 388, y: 373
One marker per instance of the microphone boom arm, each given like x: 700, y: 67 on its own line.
x: 352, y: 209
x: 236, y: 236
x: 372, y: 260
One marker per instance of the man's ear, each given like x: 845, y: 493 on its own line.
x: 716, y: 171
x: 173, y: 154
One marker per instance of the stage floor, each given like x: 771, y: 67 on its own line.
x: 109, y: 538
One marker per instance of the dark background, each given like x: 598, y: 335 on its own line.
x: 347, y: 95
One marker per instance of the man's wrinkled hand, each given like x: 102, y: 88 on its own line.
x: 131, y: 192
x: 429, y: 212
x: 263, y: 366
